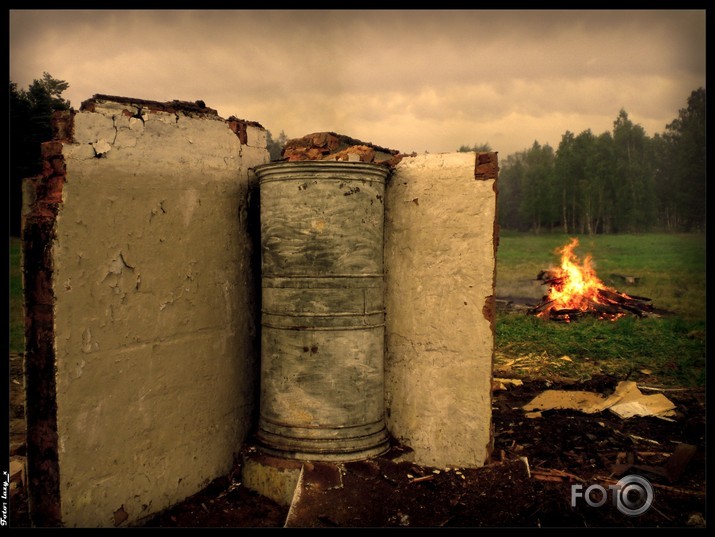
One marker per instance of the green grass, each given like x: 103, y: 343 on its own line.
x: 671, y: 272
x: 671, y: 269
x: 17, y: 326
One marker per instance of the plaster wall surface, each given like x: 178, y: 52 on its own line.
x: 153, y: 318
x: 440, y: 266
x: 154, y: 309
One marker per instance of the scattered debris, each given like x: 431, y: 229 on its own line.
x: 422, y: 478
x: 587, y: 402
x: 643, y: 439
x: 552, y: 474
x: 627, y: 401
x: 671, y: 470
x: 634, y: 403
x: 515, y: 491
x: 439, y: 499
x: 696, y: 520
x: 503, y: 383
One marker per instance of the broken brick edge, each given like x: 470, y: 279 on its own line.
x: 38, y: 234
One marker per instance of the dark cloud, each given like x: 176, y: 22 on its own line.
x: 413, y: 79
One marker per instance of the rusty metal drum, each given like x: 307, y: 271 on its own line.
x: 322, y: 311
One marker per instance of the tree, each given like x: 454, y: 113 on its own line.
x: 511, y: 172
x: 538, y: 206
x: 583, y: 175
x: 30, y: 125
x: 634, y: 200
x: 617, y: 182
x: 680, y: 175
x: 526, y: 198
x: 275, y: 147
x: 567, y: 170
x: 478, y: 148
x: 52, y: 87
x: 599, y: 165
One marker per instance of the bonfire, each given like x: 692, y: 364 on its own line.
x: 575, y: 290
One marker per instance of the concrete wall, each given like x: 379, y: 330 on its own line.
x: 141, y: 309
x: 440, y: 237
x: 141, y: 284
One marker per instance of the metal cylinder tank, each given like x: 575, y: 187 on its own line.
x: 323, y: 313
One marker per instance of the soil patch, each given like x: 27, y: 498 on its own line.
x: 529, y: 483
x: 536, y: 464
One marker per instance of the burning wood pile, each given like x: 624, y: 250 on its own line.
x: 576, y: 291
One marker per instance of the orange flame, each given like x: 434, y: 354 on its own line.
x: 575, y: 285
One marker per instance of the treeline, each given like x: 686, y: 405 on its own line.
x: 615, y: 182
x: 30, y: 124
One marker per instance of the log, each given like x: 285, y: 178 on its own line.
x: 633, y: 309
x: 565, y: 311
x: 641, y: 298
x: 612, y: 296
x: 607, y: 309
x: 540, y: 307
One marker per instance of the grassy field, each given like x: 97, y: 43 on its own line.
x: 668, y: 350
x: 670, y: 270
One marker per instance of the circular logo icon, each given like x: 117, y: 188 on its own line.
x: 634, y: 495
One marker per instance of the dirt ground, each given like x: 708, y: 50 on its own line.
x: 537, y: 465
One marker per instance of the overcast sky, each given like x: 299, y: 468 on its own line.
x: 408, y: 80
